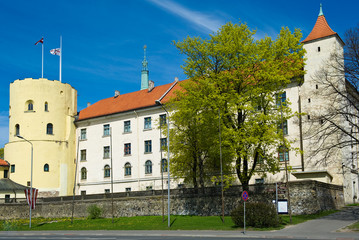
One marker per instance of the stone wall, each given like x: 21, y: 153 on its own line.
x: 306, y: 197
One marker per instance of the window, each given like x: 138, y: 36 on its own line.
x: 285, y: 127
x: 163, y: 143
x: 283, y: 154
x: 30, y: 106
x: 259, y: 181
x: 106, y: 130
x: 46, y: 107
x: 83, y: 155
x: 127, y: 169
x: 281, y: 98
x: 106, y: 152
x: 49, y: 129
x: 163, y: 120
x: 148, y: 188
x: 148, y: 167
x: 6, y: 173
x: 148, y: 146
x: 148, y: 123
x: 308, y: 100
x: 128, y: 189
x: 83, y: 134
x: 318, y: 49
x: 107, y: 171
x: 12, y: 168
x: 308, y: 117
x: 7, y: 198
x: 17, y: 130
x: 316, y: 86
x: 164, y: 165
x: 127, y: 148
x: 127, y: 126
x: 83, y: 173
x: 46, y: 167
x: 107, y: 190
x: 83, y: 193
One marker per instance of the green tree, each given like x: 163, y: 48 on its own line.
x: 241, y: 76
x: 2, y: 153
x: 195, y: 138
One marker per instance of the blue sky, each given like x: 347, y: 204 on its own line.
x: 103, y: 39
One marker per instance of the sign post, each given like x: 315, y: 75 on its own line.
x: 245, y: 198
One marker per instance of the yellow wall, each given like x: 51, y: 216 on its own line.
x: 2, y: 168
x: 57, y: 149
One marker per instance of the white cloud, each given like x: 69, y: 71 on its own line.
x: 206, y: 22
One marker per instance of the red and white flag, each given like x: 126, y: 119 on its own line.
x: 32, y: 201
x: 56, y: 51
x: 40, y: 41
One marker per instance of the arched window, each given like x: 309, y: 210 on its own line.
x: 128, y: 169
x: 46, y: 167
x: 46, y: 107
x: 49, y: 129
x: 164, y: 165
x: 148, y: 167
x: 107, y: 171
x: 17, y: 130
x: 83, y: 173
x: 30, y: 105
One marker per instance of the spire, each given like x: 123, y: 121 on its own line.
x: 144, y: 72
x: 321, y: 28
x: 321, y: 11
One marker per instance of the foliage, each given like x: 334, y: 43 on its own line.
x: 258, y: 215
x: 2, y: 153
x: 94, y: 212
x: 237, y: 77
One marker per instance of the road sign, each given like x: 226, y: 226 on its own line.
x: 245, y: 196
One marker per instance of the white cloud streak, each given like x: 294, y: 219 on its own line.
x: 205, y: 22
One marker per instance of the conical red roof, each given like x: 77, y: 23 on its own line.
x: 321, y: 29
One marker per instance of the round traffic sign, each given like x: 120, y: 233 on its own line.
x: 245, y: 195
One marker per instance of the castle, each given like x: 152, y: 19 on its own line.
x: 117, y: 139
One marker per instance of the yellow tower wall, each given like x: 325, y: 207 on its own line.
x: 56, y: 149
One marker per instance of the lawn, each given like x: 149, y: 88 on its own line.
x: 141, y: 223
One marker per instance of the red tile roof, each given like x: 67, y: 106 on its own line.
x: 3, y: 163
x: 321, y: 29
x: 129, y: 101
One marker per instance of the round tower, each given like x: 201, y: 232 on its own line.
x: 42, y: 112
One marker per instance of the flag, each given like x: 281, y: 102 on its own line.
x: 32, y: 201
x: 56, y: 51
x: 40, y: 41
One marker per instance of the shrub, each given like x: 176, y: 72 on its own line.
x: 258, y: 215
x: 94, y: 212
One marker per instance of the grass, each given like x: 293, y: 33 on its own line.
x: 142, y: 223
x: 354, y: 227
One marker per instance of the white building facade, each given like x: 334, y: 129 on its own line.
x: 120, y: 141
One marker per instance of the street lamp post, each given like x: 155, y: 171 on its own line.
x: 32, y: 151
x: 158, y: 102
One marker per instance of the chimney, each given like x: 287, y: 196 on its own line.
x: 151, y: 85
x: 176, y: 79
x: 88, y: 104
x: 117, y: 93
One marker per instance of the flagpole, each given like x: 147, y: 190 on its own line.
x: 42, y: 61
x: 60, y: 58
